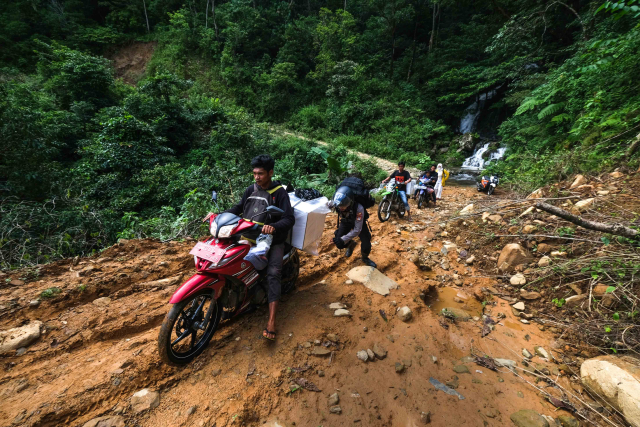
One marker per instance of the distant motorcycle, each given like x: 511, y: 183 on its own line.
x: 488, y: 185
x: 425, y: 189
x: 391, y: 201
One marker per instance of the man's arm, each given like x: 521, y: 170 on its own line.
x: 393, y: 174
x: 408, y: 177
x: 285, y: 223
x: 357, y: 228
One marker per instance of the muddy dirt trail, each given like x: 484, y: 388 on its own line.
x: 100, y: 324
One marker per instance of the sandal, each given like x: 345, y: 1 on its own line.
x: 265, y: 332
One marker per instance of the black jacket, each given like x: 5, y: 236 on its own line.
x: 280, y: 199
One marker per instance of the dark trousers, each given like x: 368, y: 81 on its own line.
x: 365, y: 236
x: 274, y: 272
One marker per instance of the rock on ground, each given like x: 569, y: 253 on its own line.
x: 467, y: 210
x: 13, y: 339
x: 518, y: 279
x: 519, y: 306
x: 544, y: 261
x: 363, y: 355
x: 582, y: 205
x: 144, y: 400
x: 617, y: 380
x: 108, y: 421
x: 512, y: 255
x: 404, y: 314
x: 372, y: 279
x: 379, y: 351
x: 528, y: 418
x: 341, y: 312
x: 458, y: 313
x: 578, y: 181
x: 334, y: 399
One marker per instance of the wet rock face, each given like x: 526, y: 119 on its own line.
x: 617, y: 380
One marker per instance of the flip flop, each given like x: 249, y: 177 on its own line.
x: 264, y: 335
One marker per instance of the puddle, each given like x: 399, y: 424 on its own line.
x: 444, y: 297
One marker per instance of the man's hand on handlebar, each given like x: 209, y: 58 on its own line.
x: 268, y: 229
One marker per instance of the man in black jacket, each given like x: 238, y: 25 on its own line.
x: 251, y: 201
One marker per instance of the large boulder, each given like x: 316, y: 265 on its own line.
x: 467, y: 142
x: 372, y: 279
x: 617, y: 380
x: 511, y: 256
x: 13, y: 339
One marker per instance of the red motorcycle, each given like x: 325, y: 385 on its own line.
x: 224, y: 287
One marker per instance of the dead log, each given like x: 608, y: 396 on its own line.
x: 617, y: 229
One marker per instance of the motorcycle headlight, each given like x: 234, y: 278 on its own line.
x: 213, y: 228
x: 226, y: 231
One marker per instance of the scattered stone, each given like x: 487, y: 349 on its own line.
x: 320, y: 373
x: 399, y: 367
x: 34, y: 303
x: 541, y: 352
x: 108, y: 421
x: 321, y: 351
x: 544, y: 261
x: 362, y: 355
x: 470, y: 260
x: 444, y: 264
x: 616, y: 175
x: 506, y: 363
x: 373, y: 279
x: 191, y: 410
x: 404, y: 314
x: 336, y: 305
x: 617, y: 380
x: 334, y: 399
x: 511, y: 256
x: 348, y: 282
x: 526, y: 353
x: 558, y: 254
x: 467, y: 210
x: 425, y: 417
x: 519, y: 306
x: 525, y: 321
x: 102, y: 302
x: 371, y: 355
x: 379, y: 351
x: 526, y: 212
x: 13, y: 339
x: 568, y: 421
x: 528, y: 229
x: 457, y: 313
x: 16, y: 282
x: 162, y: 283
x: 461, y: 369
x: 144, y: 400
x: 529, y: 295
x: 335, y: 410
x: 578, y: 181
x: 583, y: 205
x: 332, y: 337
x: 536, y: 194
x: 216, y: 372
x: 495, y: 218
x: 528, y: 418
x: 341, y: 312
x: 518, y: 279
x: 576, y: 300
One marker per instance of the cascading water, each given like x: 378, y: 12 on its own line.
x: 477, y: 161
x: 469, y: 121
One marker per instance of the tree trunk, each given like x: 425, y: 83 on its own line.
x: 345, y: 5
x: 433, y: 26
x: 617, y: 229
x: 393, y: 50
x: 413, y: 51
x: 213, y: 15
x: 145, y: 15
x: 206, y: 16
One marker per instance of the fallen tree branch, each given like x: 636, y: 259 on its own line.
x: 617, y: 229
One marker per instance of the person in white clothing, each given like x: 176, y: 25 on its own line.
x: 442, y: 177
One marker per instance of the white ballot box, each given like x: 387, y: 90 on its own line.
x: 310, y: 216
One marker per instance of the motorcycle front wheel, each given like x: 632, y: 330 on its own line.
x: 490, y: 191
x: 421, y: 201
x: 401, y: 208
x: 183, y: 336
x: 384, y: 209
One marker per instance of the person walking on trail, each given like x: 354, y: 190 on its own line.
x: 352, y: 223
x: 257, y: 197
x: 402, y: 177
x: 443, y: 174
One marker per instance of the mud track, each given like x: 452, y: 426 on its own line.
x: 93, y: 355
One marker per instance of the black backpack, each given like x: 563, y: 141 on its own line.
x: 360, y: 192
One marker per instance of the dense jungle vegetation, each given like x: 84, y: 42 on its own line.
x: 87, y: 158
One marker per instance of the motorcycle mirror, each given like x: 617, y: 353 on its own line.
x: 214, y: 196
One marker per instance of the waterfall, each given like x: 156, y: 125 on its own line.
x: 477, y: 162
x: 469, y: 121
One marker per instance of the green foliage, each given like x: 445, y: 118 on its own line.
x: 558, y: 302
x: 50, y: 293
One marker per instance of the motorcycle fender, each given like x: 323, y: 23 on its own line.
x: 493, y: 185
x: 196, y: 283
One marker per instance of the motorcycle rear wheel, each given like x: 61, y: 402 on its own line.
x: 179, y: 341
x: 290, y: 273
x: 384, y: 209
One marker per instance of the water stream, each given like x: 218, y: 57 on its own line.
x: 469, y: 122
x: 477, y: 162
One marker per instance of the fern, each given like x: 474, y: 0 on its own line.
x: 561, y: 118
x: 550, y: 110
x: 528, y: 104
